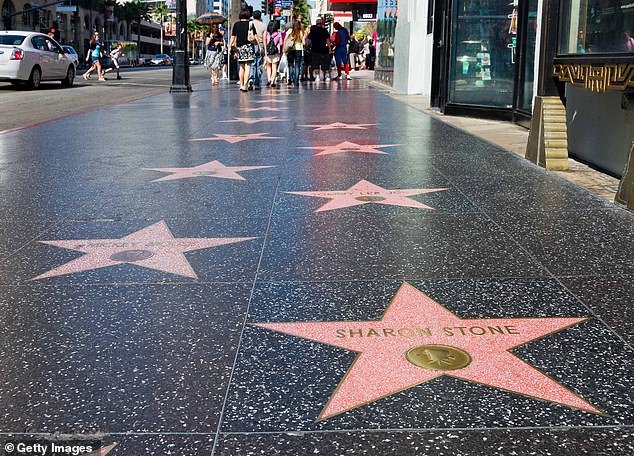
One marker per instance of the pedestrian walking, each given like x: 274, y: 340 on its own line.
x: 340, y: 43
x: 243, y: 37
x: 370, y: 55
x: 94, y: 54
x: 255, y: 79
x: 214, y: 55
x: 272, y: 52
x: 354, y: 49
x: 294, y: 47
x: 320, y: 50
x: 115, y: 54
x: 307, y: 72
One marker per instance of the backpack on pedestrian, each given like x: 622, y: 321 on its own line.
x: 271, y: 46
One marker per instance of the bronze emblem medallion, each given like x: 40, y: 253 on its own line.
x: 438, y: 357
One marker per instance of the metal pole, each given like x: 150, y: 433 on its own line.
x: 180, y: 73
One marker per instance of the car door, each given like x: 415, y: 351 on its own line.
x: 42, y: 56
x: 59, y: 61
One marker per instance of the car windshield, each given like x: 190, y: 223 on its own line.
x: 161, y: 56
x: 11, y: 40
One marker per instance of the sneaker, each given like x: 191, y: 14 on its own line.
x: 348, y: 77
x: 84, y: 76
x: 250, y: 84
x: 257, y: 87
x: 316, y: 79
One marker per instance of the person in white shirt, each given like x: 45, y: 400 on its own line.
x: 294, y: 47
x: 115, y: 54
x: 255, y: 78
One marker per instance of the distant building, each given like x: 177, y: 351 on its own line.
x: 40, y: 20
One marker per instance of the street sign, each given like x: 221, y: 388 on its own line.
x: 287, y: 3
x: 66, y: 9
x: 286, y: 13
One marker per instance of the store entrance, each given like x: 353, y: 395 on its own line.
x: 484, y: 53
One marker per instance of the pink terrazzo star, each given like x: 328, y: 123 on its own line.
x: 273, y: 101
x: 254, y: 120
x: 413, y: 319
x: 211, y: 169
x: 338, y: 126
x: 348, y: 146
x: 103, y: 451
x: 153, y: 247
x: 232, y: 139
x: 364, y: 192
x: 264, y: 108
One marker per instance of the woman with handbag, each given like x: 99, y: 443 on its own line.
x: 213, y: 57
x: 243, y: 37
x: 294, y: 48
x: 272, y: 52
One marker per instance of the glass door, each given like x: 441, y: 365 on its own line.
x: 526, y: 62
x: 482, y: 60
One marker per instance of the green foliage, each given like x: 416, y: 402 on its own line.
x: 160, y: 13
x: 301, y: 8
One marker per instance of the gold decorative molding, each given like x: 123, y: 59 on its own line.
x: 625, y: 195
x: 596, y: 78
x: 548, y: 138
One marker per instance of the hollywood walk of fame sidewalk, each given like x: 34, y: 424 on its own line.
x: 354, y: 279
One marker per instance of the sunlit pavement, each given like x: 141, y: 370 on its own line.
x: 321, y: 270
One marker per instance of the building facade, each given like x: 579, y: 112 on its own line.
x: 40, y: 20
x: 487, y: 58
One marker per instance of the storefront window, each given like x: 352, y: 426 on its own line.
x: 385, y: 27
x: 483, y: 53
x: 596, y: 26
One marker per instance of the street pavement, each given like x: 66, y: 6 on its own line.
x: 322, y: 271
x: 20, y: 107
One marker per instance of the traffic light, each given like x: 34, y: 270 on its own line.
x: 265, y: 7
x: 55, y: 31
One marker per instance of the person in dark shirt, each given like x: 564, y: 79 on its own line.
x: 320, y: 49
x: 243, y: 47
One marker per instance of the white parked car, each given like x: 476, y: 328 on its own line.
x: 72, y: 53
x: 30, y: 57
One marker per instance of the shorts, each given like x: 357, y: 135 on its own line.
x: 307, y: 57
x: 341, y: 56
x: 94, y: 59
x: 321, y: 61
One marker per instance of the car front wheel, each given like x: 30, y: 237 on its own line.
x: 35, y: 79
x: 70, y: 77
